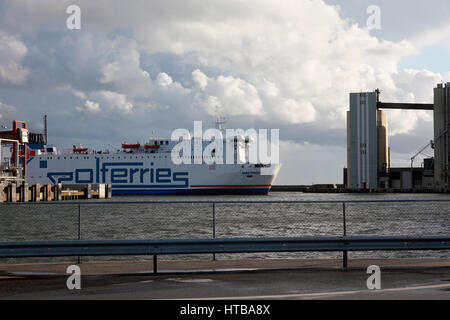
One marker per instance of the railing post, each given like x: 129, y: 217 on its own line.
x: 155, y: 264
x: 344, y: 222
x: 79, y: 229
x: 214, y: 226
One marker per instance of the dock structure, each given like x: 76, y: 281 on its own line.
x: 12, y: 192
x: 14, y: 170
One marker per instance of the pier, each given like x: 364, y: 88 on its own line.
x: 339, y: 188
x: 11, y: 192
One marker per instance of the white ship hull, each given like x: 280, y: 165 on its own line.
x: 149, y: 173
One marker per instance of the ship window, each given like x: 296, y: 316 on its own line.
x: 43, y: 164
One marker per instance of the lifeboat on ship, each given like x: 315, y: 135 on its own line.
x: 79, y: 149
x: 152, y: 146
x: 131, y: 146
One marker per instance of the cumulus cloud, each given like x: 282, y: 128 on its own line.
x: 164, y: 79
x: 232, y: 95
x: 115, y: 100
x: 296, y: 111
x: 90, y: 106
x: 410, y: 86
x: 200, y: 79
x: 12, y: 52
x: 413, y: 86
x: 110, y: 101
x: 308, y: 51
x: 308, y: 61
x: 308, y: 55
x: 288, y: 64
x: 120, y: 67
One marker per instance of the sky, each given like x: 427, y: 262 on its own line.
x: 138, y: 69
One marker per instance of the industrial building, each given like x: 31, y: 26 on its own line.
x: 441, y: 122
x: 368, y: 151
x: 367, y: 148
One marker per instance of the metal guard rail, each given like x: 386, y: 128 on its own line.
x: 220, y: 245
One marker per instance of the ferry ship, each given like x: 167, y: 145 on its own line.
x: 137, y: 169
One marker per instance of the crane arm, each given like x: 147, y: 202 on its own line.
x: 421, y: 150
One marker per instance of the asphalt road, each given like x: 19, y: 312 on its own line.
x: 415, y: 282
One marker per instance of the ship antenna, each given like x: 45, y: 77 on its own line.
x: 45, y: 129
x: 220, y: 120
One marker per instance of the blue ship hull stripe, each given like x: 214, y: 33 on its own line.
x: 192, y: 191
x: 147, y: 186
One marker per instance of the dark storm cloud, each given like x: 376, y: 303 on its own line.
x: 145, y: 68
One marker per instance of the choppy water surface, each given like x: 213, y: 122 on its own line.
x: 256, y: 219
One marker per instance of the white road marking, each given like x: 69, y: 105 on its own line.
x: 190, y: 280
x: 32, y: 273
x: 323, y: 294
